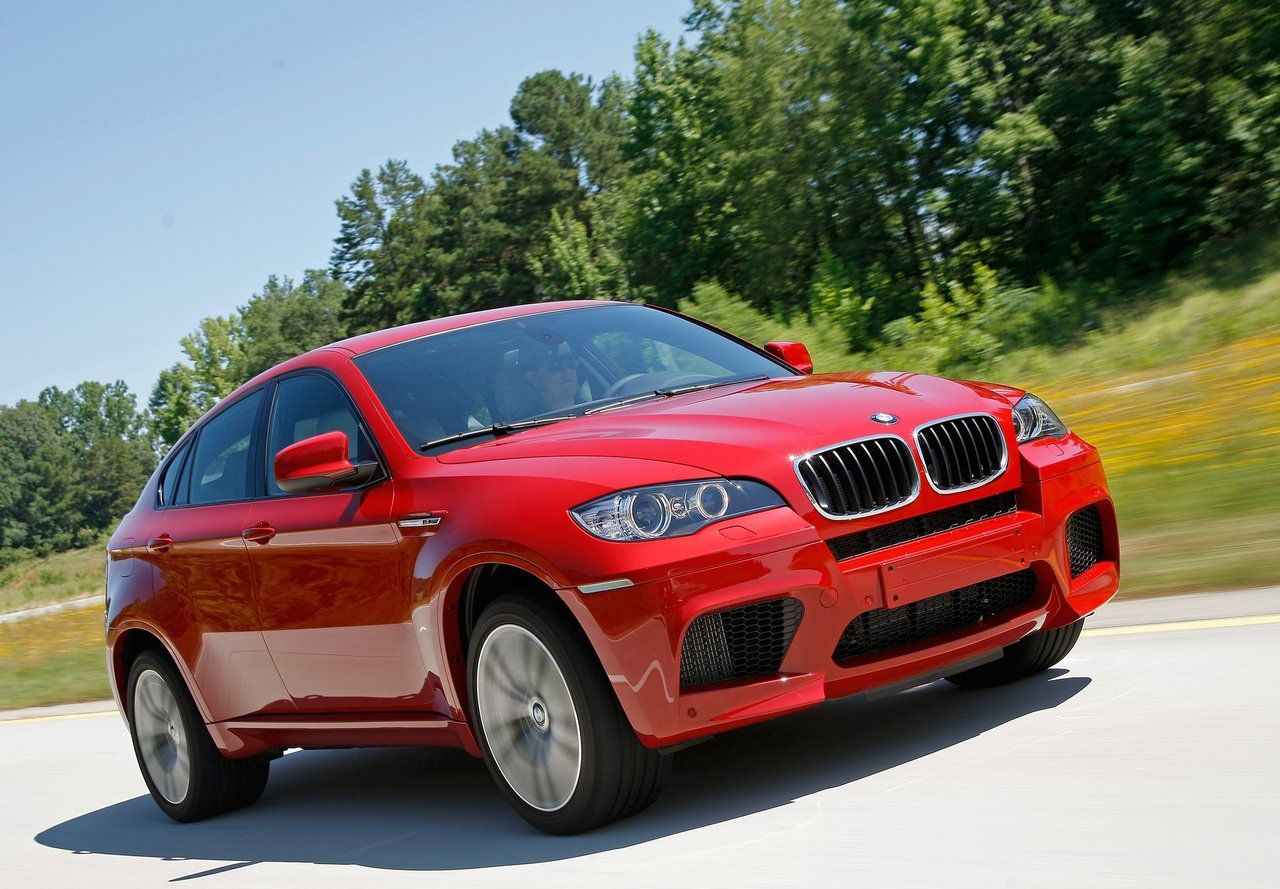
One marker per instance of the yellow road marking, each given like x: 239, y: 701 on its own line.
x: 1173, y: 626
x: 56, y: 718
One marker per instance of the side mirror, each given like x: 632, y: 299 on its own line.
x: 318, y: 464
x: 795, y: 354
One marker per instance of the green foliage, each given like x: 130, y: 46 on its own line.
x: 379, y: 251
x: 574, y: 266
x: 715, y: 305
x: 71, y: 464
x: 834, y: 299
x: 286, y: 319
x: 214, y: 350
x: 938, y: 184
x: 281, y: 321
x: 946, y: 335
x: 174, y: 404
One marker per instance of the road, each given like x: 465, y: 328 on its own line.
x: 1148, y: 758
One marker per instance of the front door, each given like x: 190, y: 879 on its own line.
x: 330, y: 572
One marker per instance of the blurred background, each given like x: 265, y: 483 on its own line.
x: 1078, y: 197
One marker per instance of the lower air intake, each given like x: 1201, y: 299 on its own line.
x: 887, y: 628
x: 1084, y: 540
x: 739, y: 643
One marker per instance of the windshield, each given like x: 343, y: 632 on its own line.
x: 553, y: 364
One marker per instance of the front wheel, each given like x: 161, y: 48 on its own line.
x: 188, y: 777
x: 1037, y: 652
x: 553, y: 735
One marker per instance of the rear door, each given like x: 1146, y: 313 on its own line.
x: 329, y: 570
x: 199, y: 555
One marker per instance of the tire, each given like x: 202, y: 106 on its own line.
x: 1034, y: 654
x: 188, y: 777
x: 553, y: 735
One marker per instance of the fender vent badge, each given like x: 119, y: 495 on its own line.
x: 419, y: 521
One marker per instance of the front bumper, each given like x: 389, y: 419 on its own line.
x: 639, y: 632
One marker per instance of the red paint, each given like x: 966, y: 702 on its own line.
x: 316, y: 620
x: 313, y: 463
x: 795, y: 354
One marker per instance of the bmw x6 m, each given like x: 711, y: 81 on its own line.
x: 571, y: 538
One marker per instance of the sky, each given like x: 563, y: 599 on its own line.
x: 159, y: 161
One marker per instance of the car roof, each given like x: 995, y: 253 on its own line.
x: 378, y: 339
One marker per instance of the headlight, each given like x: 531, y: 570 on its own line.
x: 660, y: 511
x: 1032, y: 419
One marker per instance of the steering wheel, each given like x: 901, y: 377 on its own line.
x: 617, y: 386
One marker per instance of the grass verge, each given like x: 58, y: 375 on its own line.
x: 53, y: 659
x: 43, y: 580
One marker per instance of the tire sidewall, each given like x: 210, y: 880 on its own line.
x: 519, y: 612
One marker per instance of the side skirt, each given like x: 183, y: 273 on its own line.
x: 251, y: 735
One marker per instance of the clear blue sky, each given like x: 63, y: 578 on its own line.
x: 159, y: 161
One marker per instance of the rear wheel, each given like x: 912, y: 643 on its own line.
x: 188, y: 777
x: 1034, y: 654
x: 553, y: 735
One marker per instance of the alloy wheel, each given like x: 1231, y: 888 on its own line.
x: 162, y: 739
x: 528, y: 717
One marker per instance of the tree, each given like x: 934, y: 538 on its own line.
x: 381, y: 245
x: 215, y: 350
x: 71, y: 463
x: 284, y: 320
x: 106, y: 435
x: 175, y: 404
x: 38, y: 482
x: 576, y: 266
x: 278, y: 322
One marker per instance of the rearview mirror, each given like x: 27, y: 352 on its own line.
x: 795, y: 354
x: 319, y: 463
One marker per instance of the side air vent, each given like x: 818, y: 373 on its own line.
x: 960, y: 453
x: 1084, y: 540
x: 738, y: 643
x: 860, y: 478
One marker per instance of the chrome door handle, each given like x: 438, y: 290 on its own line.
x: 160, y: 544
x: 259, y: 533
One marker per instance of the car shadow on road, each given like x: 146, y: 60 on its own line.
x: 434, y: 809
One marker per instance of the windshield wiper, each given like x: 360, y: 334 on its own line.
x: 622, y: 402
x: 495, y: 430
x: 709, y: 384
x: 676, y: 390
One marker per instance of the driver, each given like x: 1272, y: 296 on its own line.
x: 552, y: 373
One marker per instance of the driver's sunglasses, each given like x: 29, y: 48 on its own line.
x: 559, y: 365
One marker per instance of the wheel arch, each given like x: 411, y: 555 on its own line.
x: 128, y: 643
x: 474, y: 586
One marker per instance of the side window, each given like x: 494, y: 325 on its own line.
x: 309, y: 405
x: 220, y: 465
x: 170, y: 488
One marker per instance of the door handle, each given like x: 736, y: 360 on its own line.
x: 259, y: 533
x: 160, y: 544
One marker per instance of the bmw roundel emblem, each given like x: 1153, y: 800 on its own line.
x: 884, y: 419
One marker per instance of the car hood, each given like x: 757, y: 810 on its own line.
x: 752, y: 429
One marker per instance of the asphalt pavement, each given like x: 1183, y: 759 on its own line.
x: 1147, y: 759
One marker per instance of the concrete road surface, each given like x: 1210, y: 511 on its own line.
x: 1147, y: 759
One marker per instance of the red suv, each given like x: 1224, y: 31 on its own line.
x: 574, y: 537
